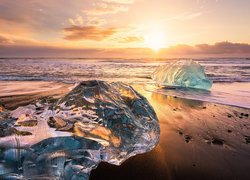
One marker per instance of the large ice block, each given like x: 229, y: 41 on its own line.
x: 183, y: 73
x: 66, y: 138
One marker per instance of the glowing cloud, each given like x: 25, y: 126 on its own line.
x: 87, y: 32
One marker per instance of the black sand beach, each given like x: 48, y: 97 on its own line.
x: 198, y: 140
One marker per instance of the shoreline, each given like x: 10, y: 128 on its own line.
x: 32, y: 93
x: 229, y: 94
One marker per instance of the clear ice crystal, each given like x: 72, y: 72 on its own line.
x: 65, y: 139
x: 183, y: 73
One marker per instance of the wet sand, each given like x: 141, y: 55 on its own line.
x: 19, y: 93
x: 198, y: 140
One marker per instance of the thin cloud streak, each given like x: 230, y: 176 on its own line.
x: 105, y: 9
x: 4, y: 40
x: 94, y: 33
x: 184, y: 16
x: 119, y: 1
x: 130, y: 39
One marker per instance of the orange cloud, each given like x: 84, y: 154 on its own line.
x: 131, y: 39
x: 88, y: 32
x: 87, y: 21
x: 11, y: 40
x: 4, y: 40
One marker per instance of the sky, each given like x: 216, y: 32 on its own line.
x: 112, y: 27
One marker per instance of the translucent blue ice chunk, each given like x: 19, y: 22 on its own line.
x: 67, y: 138
x: 183, y: 73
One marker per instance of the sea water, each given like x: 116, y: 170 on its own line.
x: 230, y: 76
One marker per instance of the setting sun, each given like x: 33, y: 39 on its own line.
x: 155, y: 40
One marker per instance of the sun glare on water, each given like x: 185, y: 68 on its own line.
x: 155, y: 40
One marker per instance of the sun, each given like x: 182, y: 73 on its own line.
x: 155, y: 40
